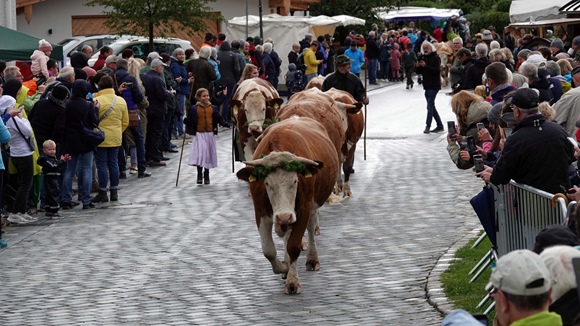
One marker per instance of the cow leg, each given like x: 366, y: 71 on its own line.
x: 312, y: 263
x: 249, y: 148
x: 347, y: 168
x: 338, y: 185
x: 293, y: 244
x: 268, y: 247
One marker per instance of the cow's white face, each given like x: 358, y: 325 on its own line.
x: 281, y: 186
x: 255, y: 108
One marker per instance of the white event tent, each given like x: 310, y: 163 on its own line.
x: 535, y: 10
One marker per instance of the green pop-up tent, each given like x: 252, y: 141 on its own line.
x: 19, y: 46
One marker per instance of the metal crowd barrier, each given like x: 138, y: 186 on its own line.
x: 522, y: 212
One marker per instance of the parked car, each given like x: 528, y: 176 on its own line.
x: 140, y: 47
x: 76, y: 43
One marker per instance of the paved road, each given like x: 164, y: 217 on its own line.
x: 191, y: 255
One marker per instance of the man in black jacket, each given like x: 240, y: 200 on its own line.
x: 157, y: 96
x: 372, y: 53
x: 344, y: 80
x: 477, y: 69
x: 538, y: 153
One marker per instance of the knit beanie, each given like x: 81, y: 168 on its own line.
x: 557, y: 43
x: 44, y: 46
x: 60, y: 92
x: 11, y: 87
x: 89, y: 71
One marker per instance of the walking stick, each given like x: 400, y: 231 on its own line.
x: 180, y: 158
x: 183, y: 144
x: 365, y: 134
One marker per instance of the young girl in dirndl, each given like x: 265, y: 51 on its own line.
x: 202, y: 121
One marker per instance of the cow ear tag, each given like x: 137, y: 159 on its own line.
x: 235, y: 110
x: 251, y: 178
x: 276, y: 106
x: 308, y: 174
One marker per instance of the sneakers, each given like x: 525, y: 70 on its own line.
x: 54, y: 216
x: 426, y: 131
x: 133, y: 171
x: 144, y: 175
x: 89, y: 206
x: 28, y: 217
x: 17, y: 219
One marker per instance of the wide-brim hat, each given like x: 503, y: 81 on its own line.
x: 343, y: 60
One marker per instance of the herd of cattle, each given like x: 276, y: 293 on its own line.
x: 296, y: 152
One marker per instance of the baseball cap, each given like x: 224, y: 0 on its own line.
x: 521, y: 272
x: 525, y: 98
x: 156, y: 63
x: 110, y: 59
x: 153, y: 55
x: 164, y: 57
x: 486, y: 35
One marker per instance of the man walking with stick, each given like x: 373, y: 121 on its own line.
x: 344, y: 80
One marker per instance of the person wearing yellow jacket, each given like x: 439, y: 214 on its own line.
x: 113, y: 120
x: 311, y: 62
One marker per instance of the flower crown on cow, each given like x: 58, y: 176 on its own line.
x: 261, y: 172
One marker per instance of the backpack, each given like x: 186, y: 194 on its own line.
x: 296, y: 85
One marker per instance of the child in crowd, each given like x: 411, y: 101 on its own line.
x: 395, y: 62
x: 51, y: 169
x: 293, y: 80
x: 40, y: 59
x: 202, y: 120
x: 409, y: 62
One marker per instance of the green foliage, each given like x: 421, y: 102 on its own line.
x: 455, y: 280
x: 141, y: 17
x: 428, y: 4
x: 261, y: 172
x: 481, y: 20
x: 503, y: 6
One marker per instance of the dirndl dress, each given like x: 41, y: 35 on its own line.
x: 203, y: 150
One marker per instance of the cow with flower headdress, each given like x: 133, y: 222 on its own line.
x: 291, y: 176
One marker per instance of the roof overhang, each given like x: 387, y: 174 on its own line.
x: 548, y: 22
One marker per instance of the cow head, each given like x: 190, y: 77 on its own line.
x: 255, y: 105
x: 280, y: 172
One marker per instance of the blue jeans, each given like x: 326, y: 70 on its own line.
x: 430, y: 95
x: 139, y: 146
x: 373, y: 70
x: 84, y: 164
x: 178, y: 121
x: 107, y: 167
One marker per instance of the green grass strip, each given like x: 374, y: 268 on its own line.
x: 455, y: 280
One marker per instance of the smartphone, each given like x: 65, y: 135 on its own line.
x: 480, y: 126
x: 451, y: 128
x: 478, y: 162
x: 471, y: 145
x: 129, y: 85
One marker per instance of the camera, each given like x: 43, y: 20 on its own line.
x: 478, y: 162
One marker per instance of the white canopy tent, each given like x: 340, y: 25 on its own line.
x: 286, y: 30
x: 416, y: 13
x: 535, y: 10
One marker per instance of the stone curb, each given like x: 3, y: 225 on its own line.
x: 434, y: 289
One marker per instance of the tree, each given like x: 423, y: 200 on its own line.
x: 140, y: 17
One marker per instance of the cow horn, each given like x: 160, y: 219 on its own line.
x: 306, y: 161
x: 258, y: 162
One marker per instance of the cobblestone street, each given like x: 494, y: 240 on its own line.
x: 191, y: 255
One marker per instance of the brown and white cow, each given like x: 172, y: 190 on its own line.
x: 315, y: 104
x: 291, y: 176
x: 355, y: 122
x: 316, y: 82
x: 446, y: 54
x: 254, y: 102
